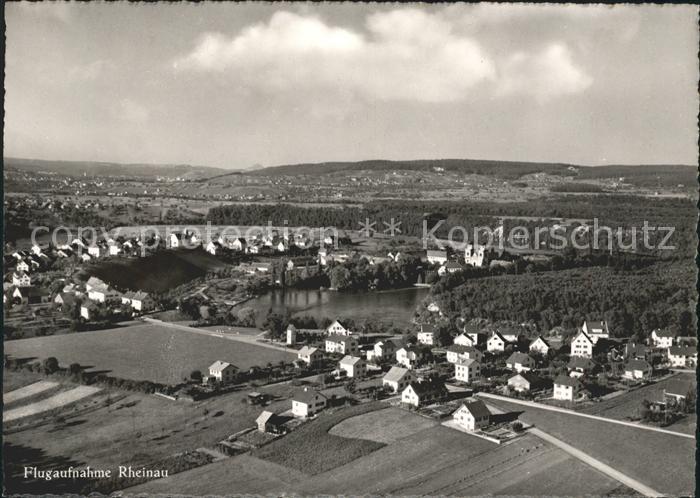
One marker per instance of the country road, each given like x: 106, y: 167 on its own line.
x: 542, y: 406
x: 596, y: 464
x: 248, y: 339
x: 588, y: 459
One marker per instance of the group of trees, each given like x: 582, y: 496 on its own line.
x: 633, y: 302
x: 359, y: 274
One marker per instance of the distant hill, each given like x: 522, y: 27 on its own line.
x: 662, y: 174
x: 90, y: 168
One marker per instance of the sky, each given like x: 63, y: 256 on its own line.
x: 238, y: 85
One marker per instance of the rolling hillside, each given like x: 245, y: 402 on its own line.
x: 90, y: 168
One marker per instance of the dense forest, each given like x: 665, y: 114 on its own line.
x: 610, y: 210
x: 634, y: 302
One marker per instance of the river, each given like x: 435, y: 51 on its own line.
x: 392, y: 306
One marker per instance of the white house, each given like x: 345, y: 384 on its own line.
x: 353, y: 366
x: 438, y: 257
x: 496, y: 343
x: 94, y: 251
x: 637, y: 369
x: 104, y: 294
x: 472, y: 415
x: 458, y: 352
x: 467, y: 370
x: 426, y: 335
x: 309, y: 355
x: 582, y: 345
x: 465, y: 340
x: 382, y: 350
x: 682, y: 356
x: 173, y: 241
x: 408, y: 356
x: 663, y: 338
x: 449, y: 267
x: 239, y: 244
x: 22, y: 266
x: 142, y: 301
x: 211, y: 248
x: 539, y: 346
x: 85, y: 312
x: 580, y: 365
x: 520, y: 362
x: 398, y: 378
x: 525, y: 382
x: 222, y: 371
x: 566, y: 388
x: 308, y: 403
x: 338, y: 328
x: 596, y: 330
x: 422, y: 393
x: 342, y: 345
x: 21, y: 279
x: 474, y: 256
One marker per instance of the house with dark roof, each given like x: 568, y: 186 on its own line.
x: 496, y: 343
x: 596, y: 329
x: 338, y: 328
x: 582, y: 345
x: 566, y: 388
x: 457, y: 352
x: 270, y: 423
x: 425, y: 392
x: 539, y: 346
x: 426, y: 335
x: 634, y: 351
x: 678, y: 389
x: 520, y: 362
x: 637, y: 369
x: 683, y: 356
x: 472, y: 415
x: 579, y: 366
x: 663, y: 338
x: 308, y: 403
x: 341, y: 344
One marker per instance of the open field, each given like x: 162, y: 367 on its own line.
x: 435, y: 461
x: 27, y: 391
x: 157, y: 273
x: 121, y: 428
x: 311, y: 448
x: 144, y: 352
x: 627, y: 405
x: 383, y: 426
x: 56, y: 401
x: 663, y: 462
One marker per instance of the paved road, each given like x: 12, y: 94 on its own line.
x: 597, y: 464
x: 248, y: 339
x: 542, y: 406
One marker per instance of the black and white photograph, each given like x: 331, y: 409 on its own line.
x: 350, y: 249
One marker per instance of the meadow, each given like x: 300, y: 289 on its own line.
x: 144, y: 352
x: 662, y: 461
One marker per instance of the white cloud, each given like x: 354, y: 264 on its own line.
x: 407, y: 55
x: 57, y: 10
x: 131, y: 111
x: 404, y: 54
x: 91, y: 71
x: 547, y: 74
